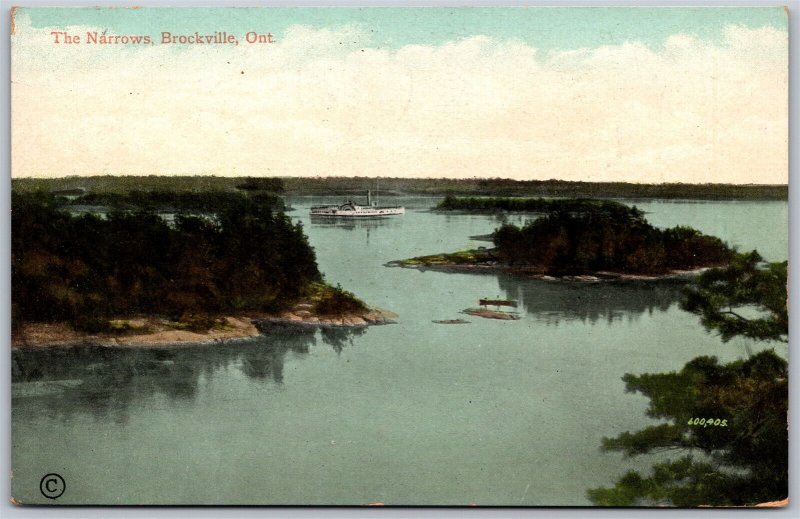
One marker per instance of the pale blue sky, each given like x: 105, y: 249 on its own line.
x: 541, y: 27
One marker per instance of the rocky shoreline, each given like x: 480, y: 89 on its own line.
x: 301, y: 316
x: 153, y: 332
x: 530, y: 273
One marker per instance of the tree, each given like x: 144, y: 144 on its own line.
x: 584, y: 236
x: 747, y: 298
x: 734, y: 415
x: 86, y: 270
x: 271, y: 184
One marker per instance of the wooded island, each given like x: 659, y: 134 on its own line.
x: 584, y: 237
x: 101, y: 273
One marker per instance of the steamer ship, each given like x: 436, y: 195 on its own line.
x: 351, y: 209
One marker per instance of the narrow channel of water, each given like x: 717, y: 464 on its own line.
x: 490, y: 412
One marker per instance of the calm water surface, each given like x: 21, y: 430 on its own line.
x: 491, y: 412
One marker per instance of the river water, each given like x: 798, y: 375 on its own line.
x: 490, y: 412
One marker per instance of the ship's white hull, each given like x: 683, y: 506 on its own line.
x: 357, y: 212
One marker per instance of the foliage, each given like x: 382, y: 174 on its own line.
x: 468, y: 257
x: 745, y: 461
x: 419, y: 186
x: 271, y: 184
x: 336, y: 301
x: 539, y: 205
x: 607, y: 237
x: 178, y: 201
x: 722, y: 296
x: 122, y: 184
x: 87, y: 269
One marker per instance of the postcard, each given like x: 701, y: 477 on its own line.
x: 473, y: 256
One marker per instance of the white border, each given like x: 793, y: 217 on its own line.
x: 7, y: 510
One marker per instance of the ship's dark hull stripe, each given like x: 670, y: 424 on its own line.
x: 355, y: 215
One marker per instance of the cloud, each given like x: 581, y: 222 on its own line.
x: 320, y: 102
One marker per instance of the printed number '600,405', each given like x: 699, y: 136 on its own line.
x: 705, y: 422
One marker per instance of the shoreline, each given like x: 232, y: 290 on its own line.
x: 154, y: 332
x: 531, y: 273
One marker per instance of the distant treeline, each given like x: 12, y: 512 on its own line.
x: 86, y: 269
x: 532, y: 188
x: 271, y: 184
x: 207, y: 201
x: 114, y: 184
x: 606, y: 238
x: 537, y: 205
x: 397, y: 186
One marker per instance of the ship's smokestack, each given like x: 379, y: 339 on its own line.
x: 369, y: 198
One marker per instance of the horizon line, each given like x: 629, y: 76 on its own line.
x: 318, y: 177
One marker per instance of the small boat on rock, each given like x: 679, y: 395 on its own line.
x: 497, y: 302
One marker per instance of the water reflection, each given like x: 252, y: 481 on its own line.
x: 106, y: 382
x: 553, y: 302
x: 496, y: 219
x: 267, y: 363
x: 338, y: 338
x: 353, y: 224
